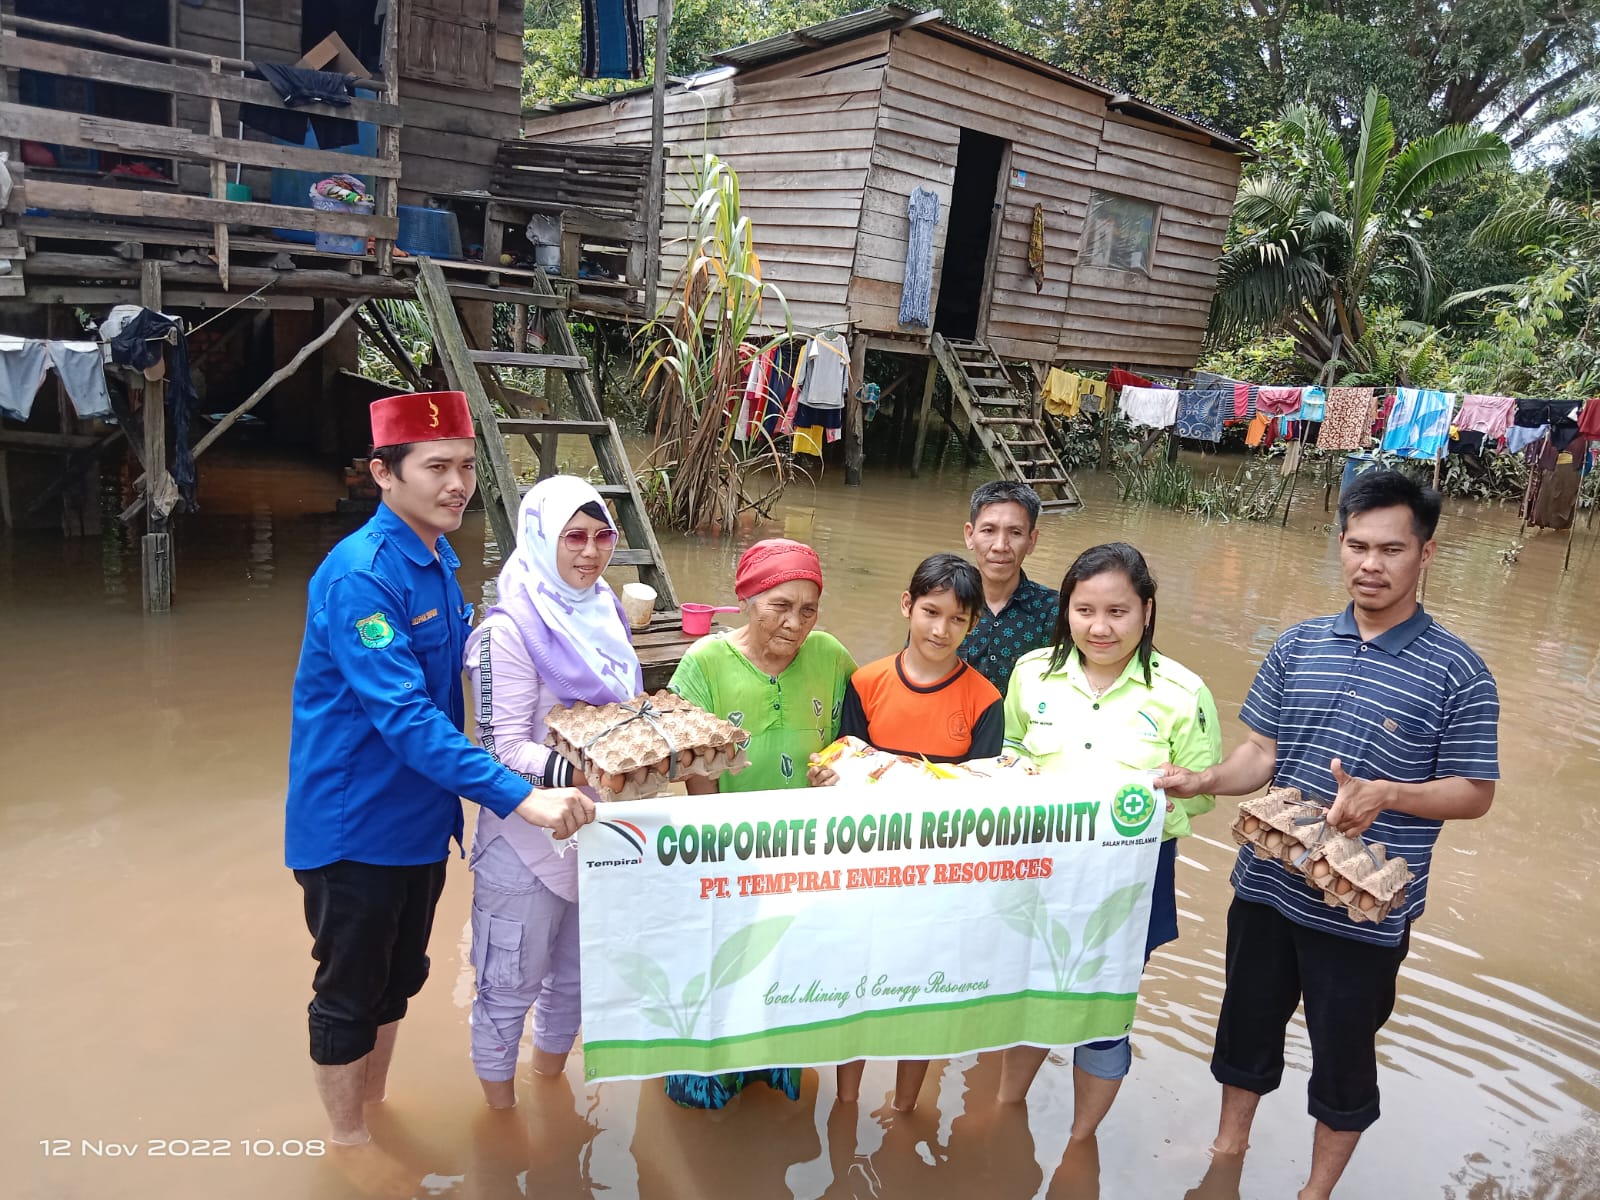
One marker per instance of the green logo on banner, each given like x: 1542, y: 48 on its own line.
x: 375, y: 631
x: 1132, y: 808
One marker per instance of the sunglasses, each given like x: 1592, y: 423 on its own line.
x: 577, y: 540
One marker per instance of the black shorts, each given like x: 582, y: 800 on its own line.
x: 1348, y: 988
x: 371, y: 926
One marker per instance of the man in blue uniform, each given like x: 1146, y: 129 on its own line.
x: 377, y: 758
x: 1394, y: 717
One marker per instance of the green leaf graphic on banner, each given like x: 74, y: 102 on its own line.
x: 644, y: 976
x: 1088, y: 970
x: 745, y: 950
x: 1021, y: 911
x: 694, y: 990
x: 1112, y: 914
x: 658, y: 1016
x: 1060, y: 939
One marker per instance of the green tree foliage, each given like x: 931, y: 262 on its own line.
x: 1320, y: 232
x: 1202, y: 57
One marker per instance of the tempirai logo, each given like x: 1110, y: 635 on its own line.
x: 632, y: 836
x: 1132, y: 809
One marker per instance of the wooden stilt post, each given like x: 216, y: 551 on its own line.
x: 656, y: 184
x: 157, y: 545
x: 924, y: 414
x: 854, y: 425
x: 219, y: 185
x: 388, y: 189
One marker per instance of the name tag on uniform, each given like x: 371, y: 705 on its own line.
x: 427, y: 616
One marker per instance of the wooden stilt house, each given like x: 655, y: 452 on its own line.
x: 151, y: 163
x: 1124, y: 203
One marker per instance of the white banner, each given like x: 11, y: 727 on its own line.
x: 817, y: 926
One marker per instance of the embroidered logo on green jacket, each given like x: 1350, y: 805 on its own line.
x: 1132, y: 808
x: 375, y: 631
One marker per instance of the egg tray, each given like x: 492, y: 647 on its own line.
x: 633, y: 749
x: 1359, y: 877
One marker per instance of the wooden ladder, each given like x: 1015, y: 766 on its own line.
x: 476, y: 372
x: 1004, y: 422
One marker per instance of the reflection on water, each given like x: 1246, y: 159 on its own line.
x: 156, y: 966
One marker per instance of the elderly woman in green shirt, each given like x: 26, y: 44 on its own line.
x: 783, y: 681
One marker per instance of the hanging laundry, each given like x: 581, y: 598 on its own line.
x: 1061, y: 393
x: 1488, y: 415
x: 1531, y: 412
x: 1278, y: 400
x: 1244, y: 402
x: 297, y: 86
x: 1092, y: 395
x: 1118, y: 378
x: 916, y: 290
x: 1256, y: 435
x: 1313, y: 403
x: 1347, y: 423
x: 1153, y: 406
x: 1520, y: 437
x: 808, y: 441
x: 83, y: 374
x: 1466, y: 441
x: 139, y: 344
x: 1558, y: 477
x: 827, y: 372
x: 612, y: 40
x: 24, y: 362
x: 1200, y: 413
x: 1036, y: 248
x: 1291, y: 459
x: 1419, y: 423
x: 1589, y: 418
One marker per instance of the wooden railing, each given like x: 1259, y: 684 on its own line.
x: 191, y: 73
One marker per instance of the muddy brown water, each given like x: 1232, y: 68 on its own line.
x: 155, y: 966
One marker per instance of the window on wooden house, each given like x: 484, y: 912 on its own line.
x: 450, y: 42
x: 1120, y: 232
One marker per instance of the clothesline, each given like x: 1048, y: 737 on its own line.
x: 1417, y: 423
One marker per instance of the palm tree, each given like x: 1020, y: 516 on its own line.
x: 1318, y: 233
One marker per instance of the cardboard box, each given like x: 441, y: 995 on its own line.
x: 331, y: 54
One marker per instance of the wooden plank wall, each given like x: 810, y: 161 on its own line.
x: 449, y: 140
x: 1158, y: 318
x: 932, y: 90
x: 801, y: 138
x: 1067, y: 143
x: 272, y: 34
x: 450, y: 135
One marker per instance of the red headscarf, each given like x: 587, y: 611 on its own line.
x: 777, y: 560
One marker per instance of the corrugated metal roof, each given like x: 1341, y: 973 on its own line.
x: 815, y: 37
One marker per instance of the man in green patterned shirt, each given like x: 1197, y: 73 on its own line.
x: 1018, y: 614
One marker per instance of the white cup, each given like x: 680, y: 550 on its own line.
x: 639, y: 602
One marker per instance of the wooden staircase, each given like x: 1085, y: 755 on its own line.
x: 1004, y: 422
x: 475, y: 371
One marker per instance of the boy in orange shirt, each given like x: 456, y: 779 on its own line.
x: 924, y: 701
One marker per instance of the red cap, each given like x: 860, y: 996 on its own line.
x: 777, y: 560
x: 420, y: 417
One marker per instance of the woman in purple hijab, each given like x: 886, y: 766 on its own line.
x: 557, y: 635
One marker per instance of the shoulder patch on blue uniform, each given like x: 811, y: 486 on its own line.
x: 375, y: 631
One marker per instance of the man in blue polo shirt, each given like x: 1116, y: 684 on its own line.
x: 1395, y: 718
x: 377, y: 759
x: 1018, y: 615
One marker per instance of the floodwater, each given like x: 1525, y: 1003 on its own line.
x: 156, y: 967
